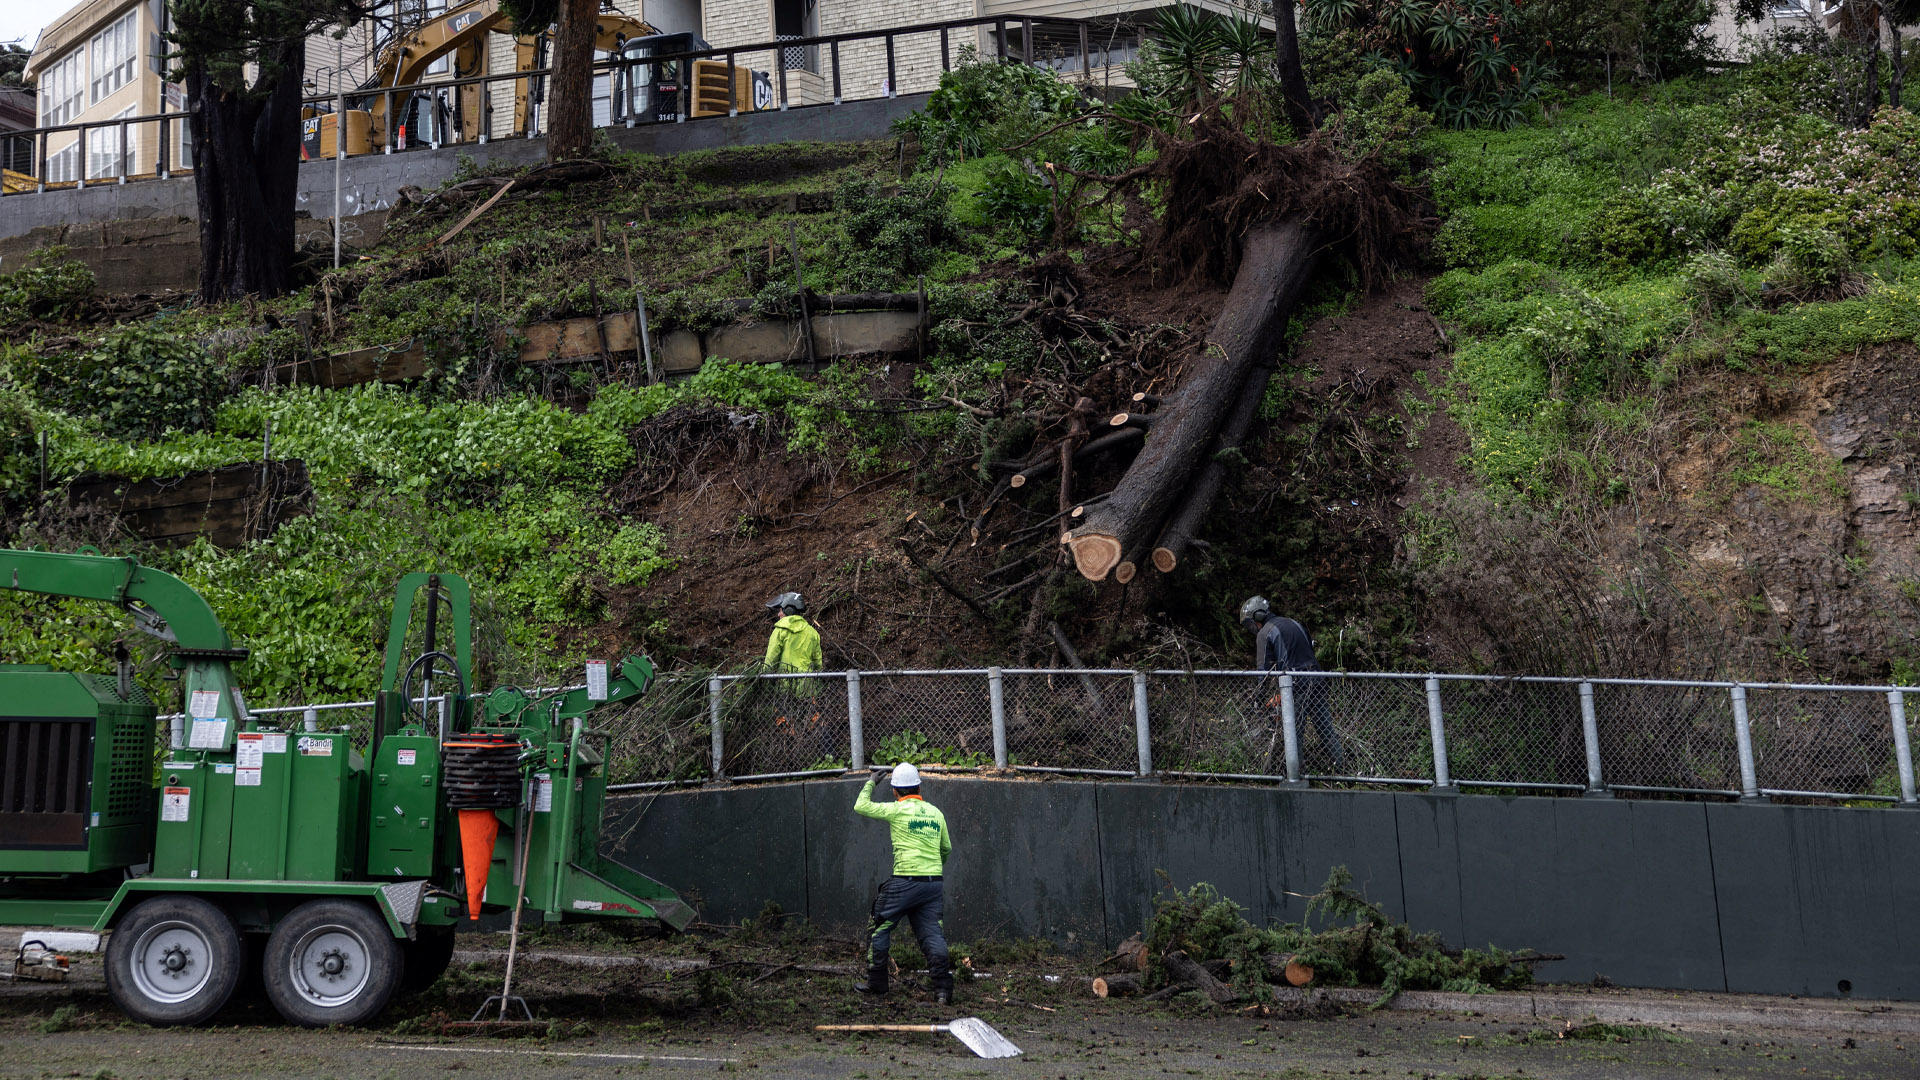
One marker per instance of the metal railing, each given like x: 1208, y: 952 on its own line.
x: 1521, y: 735
x: 134, y: 158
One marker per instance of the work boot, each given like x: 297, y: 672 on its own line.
x: 875, y: 982
x: 943, y: 996
x: 940, y: 974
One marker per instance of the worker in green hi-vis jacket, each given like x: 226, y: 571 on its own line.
x: 916, y: 891
x: 794, y: 646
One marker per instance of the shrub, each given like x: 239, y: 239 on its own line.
x: 892, y: 237
x: 19, y: 467
x: 1712, y: 281
x: 139, y: 383
x: 983, y: 105
x: 49, y: 287
x: 1627, y: 233
x: 1811, y: 260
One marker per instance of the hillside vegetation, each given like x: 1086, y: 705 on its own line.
x: 1663, y: 424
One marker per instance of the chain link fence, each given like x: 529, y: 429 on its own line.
x: 1618, y: 737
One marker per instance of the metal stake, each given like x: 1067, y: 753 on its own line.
x: 1142, y: 733
x: 339, y: 146
x: 1743, y: 740
x: 1442, y: 775
x: 719, y: 735
x: 1590, y: 727
x: 856, y: 732
x: 997, y: 705
x: 1902, y: 752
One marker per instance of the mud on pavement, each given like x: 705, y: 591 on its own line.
x: 619, y: 1007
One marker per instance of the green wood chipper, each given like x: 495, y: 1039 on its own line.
x: 334, y: 862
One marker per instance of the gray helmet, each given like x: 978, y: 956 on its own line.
x: 1255, y: 610
x: 788, y: 602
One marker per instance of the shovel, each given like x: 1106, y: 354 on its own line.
x: 977, y: 1034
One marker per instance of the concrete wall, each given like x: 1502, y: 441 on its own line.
x: 1756, y: 899
x: 373, y: 182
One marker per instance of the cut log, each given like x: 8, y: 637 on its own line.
x: 1116, y: 986
x: 1279, y: 259
x: 1282, y: 967
x: 1186, y: 521
x: 1144, y: 401
x: 1185, y: 972
x: 1131, y: 419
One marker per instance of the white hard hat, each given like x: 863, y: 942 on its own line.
x: 905, y: 775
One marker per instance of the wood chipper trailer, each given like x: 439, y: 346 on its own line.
x: 337, y: 870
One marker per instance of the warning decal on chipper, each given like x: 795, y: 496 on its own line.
x: 604, y: 905
x: 174, y: 803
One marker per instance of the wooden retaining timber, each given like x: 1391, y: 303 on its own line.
x: 230, y: 505
x: 860, y: 324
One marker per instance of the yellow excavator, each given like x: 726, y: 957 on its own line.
x: 459, y: 113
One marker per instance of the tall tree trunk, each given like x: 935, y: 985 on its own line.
x: 570, y: 100
x: 1873, y: 63
x: 1279, y: 257
x: 1899, y: 55
x: 246, y: 171
x: 1293, y: 78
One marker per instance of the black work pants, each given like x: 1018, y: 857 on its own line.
x: 922, y: 903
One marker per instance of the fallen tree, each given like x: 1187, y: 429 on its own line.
x: 1279, y: 261
x: 1263, y: 217
x: 1199, y: 942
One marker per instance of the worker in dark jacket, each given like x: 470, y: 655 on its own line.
x: 916, y: 891
x: 1280, y: 644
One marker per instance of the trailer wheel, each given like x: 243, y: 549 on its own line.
x: 174, y: 960
x: 331, y: 962
x: 428, y: 957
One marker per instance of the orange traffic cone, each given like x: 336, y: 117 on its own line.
x: 478, y: 830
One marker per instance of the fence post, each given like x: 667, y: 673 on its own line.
x: 1743, y: 742
x: 856, y: 733
x: 1442, y: 775
x: 719, y: 733
x: 1590, y: 727
x: 997, y: 705
x: 1902, y: 752
x: 1142, y: 731
x: 1290, y: 731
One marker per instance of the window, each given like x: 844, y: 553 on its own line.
x: 61, y: 91
x: 103, y: 149
x: 64, y: 164
x: 797, y: 19
x: 114, y: 56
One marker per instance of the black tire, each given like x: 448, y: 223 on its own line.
x: 174, y: 960
x: 428, y: 956
x: 332, y: 962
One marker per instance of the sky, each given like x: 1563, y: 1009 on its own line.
x: 21, y: 20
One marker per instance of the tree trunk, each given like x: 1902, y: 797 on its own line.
x: 570, y: 101
x: 1282, y: 967
x: 1187, y: 973
x: 1293, y: 78
x: 246, y: 162
x: 1278, y: 259
x: 1899, y: 55
x: 1185, y: 525
x: 1116, y: 986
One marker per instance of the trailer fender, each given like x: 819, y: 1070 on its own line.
x: 399, y: 902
